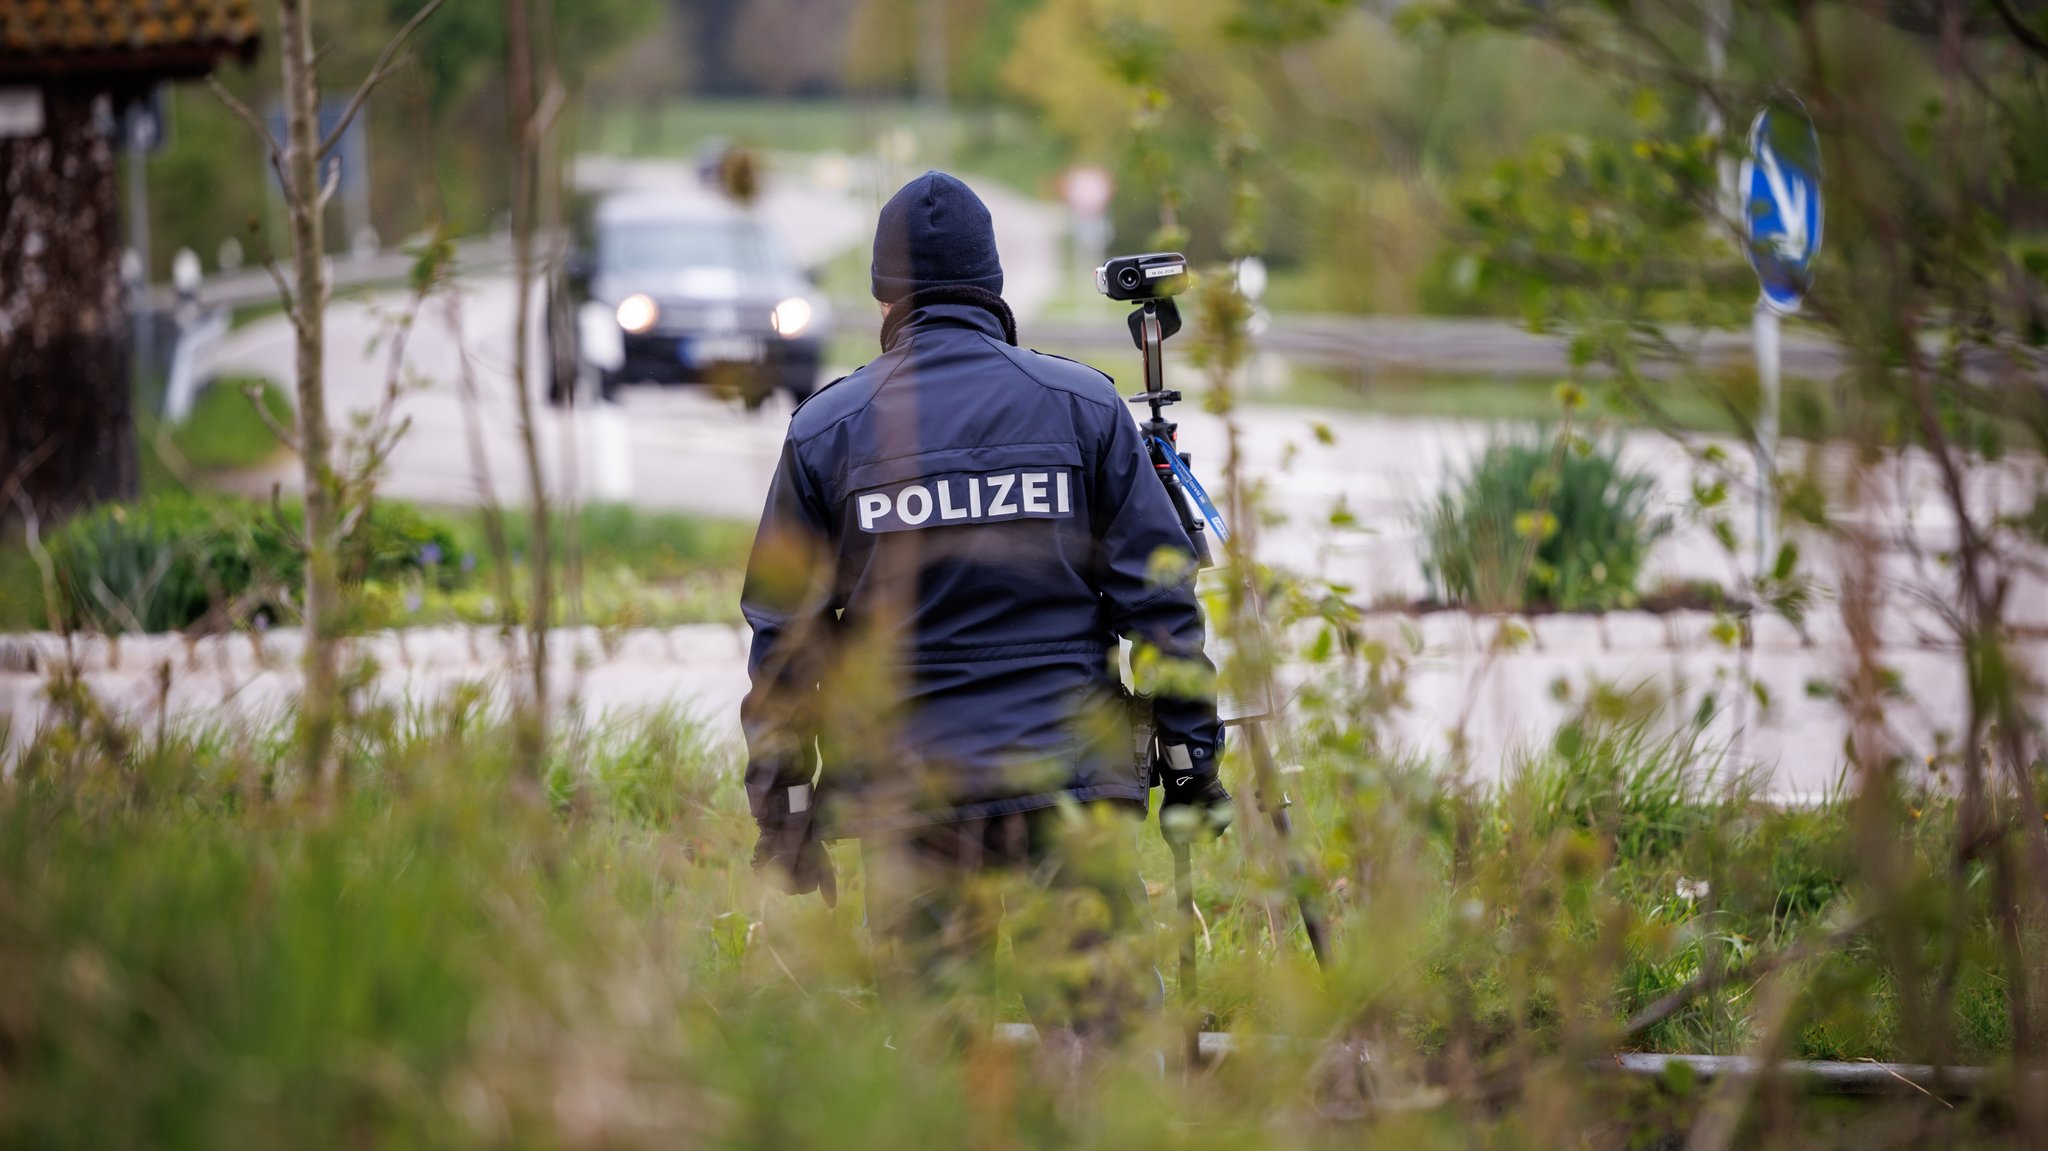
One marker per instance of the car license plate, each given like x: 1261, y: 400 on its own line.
x: 698, y: 351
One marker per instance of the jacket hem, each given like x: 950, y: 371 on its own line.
x: 987, y: 809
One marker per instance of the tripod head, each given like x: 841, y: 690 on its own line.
x: 1152, y: 323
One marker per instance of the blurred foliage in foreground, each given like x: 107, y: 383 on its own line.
x: 202, y: 950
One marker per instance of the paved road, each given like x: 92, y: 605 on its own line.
x: 686, y: 450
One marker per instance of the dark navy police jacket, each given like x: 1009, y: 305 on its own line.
x: 957, y: 535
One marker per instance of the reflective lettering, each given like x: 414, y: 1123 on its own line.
x: 938, y: 498
x: 922, y: 496
x: 1001, y: 505
x: 946, y: 509
x: 873, y: 506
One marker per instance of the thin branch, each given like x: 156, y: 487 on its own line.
x: 385, y: 64
x: 276, y: 155
x: 1719, y: 977
x: 31, y: 534
x: 28, y: 465
x: 284, y: 526
x: 328, y: 185
x: 285, y: 295
x: 544, y: 116
x: 2025, y: 33
x: 256, y: 125
x: 284, y: 434
x: 115, y: 607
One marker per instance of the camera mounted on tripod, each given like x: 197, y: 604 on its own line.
x: 1150, y: 281
x: 1153, y: 276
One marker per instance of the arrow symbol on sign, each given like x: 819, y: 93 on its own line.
x: 1790, y: 198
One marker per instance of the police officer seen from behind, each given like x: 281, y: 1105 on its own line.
x: 957, y: 536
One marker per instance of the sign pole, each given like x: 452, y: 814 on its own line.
x: 1782, y: 220
x: 1768, y: 362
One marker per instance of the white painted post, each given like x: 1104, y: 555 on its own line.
x: 607, y: 452
x: 1767, y: 365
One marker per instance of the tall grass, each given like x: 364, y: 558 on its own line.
x: 198, y: 951
x: 1543, y: 521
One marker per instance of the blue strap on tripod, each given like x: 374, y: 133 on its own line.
x: 1193, y: 486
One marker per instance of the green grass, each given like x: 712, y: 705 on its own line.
x: 639, y: 568
x: 1688, y: 406
x: 652, y: 544
x: 21, y: 589
x: 206, y: 950
x: 225, y: 432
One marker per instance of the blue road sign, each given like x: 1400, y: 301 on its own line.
x: 351, y: 155
x: 1782, y: 210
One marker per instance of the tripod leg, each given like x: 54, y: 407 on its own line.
x: 1275, y: 804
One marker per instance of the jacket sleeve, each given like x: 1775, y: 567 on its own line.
x: 787, y: 601
x: 1144, y: 570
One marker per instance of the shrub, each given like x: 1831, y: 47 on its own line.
x: 175, y: 560
x: 1588, y: 515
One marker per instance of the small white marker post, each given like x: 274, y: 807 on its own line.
x: 608, y: 452
x: 1767, y: 366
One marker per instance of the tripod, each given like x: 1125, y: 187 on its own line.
x: 1152, y: 323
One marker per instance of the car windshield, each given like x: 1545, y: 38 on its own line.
x: 672, y: 245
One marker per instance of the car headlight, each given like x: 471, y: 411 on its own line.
x: 792, y: 316
x: 637, y: 313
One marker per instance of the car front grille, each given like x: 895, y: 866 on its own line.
x: 695, y: 317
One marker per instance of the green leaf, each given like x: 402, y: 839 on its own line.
x: 1788, y: 562
x: 1724, y: 532
x: 1725, y: 631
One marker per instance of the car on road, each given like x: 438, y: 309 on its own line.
x: 674, y: 289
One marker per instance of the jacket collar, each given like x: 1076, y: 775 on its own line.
x: 944, y: 308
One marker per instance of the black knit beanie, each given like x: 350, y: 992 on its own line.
x: 934, y: 232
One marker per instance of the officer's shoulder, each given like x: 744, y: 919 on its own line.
x: 1084, y: 380
x: 837, y: 400
x: 816, y: 392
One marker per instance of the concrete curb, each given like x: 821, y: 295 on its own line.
x: 1450, y: 633
x: 1829, y: 1077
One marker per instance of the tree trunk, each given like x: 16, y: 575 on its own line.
x: 320, y: 708
x: 524, y: 130
x: 67, y: 426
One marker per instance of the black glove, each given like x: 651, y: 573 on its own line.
x: 788, y: 853
x: 1192, y: 800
